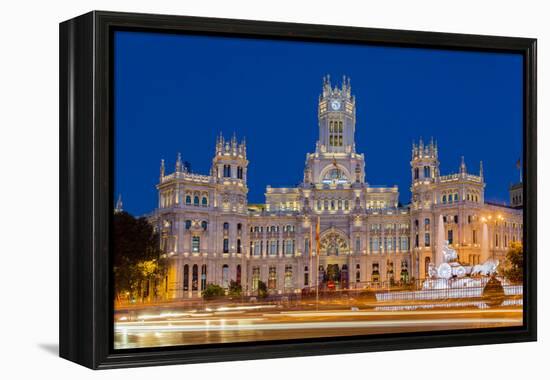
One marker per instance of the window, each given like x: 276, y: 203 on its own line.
x: 238, y: 277
x: 346, y: 204
x: 204, y: 202
x: 444, y: 199
x: 427, y: 172
x: 426, y: 240
x: 404, y: 246
x: 255, y: 278
x: 427, y: 224
x: 289, y: 247
x: 186, y: 277
x: 195, y: 278
x: 239, y: 172
x: 272, y: 278
x: 335, y: 133
x: 226, y: 226
x: 196, y: 200
x: 456, y: 219
x: 225, y: 276
x: 358, y: 244
x: 196, y: 244
x: 187, y: 224
x: 416, y: 242
x: 226, y: 245
x: 416, y: 173
x: 288, y: 277
x: 239, y: 227
x: 227, y: 171
x: 203, y: 276
x: 187, y: 199
x: 375, y: 272
x: 306, y: 245
x: 474, y: 236
x: 450, y: 236
x: 456, y: 197
x: 257, y: 248
x: 239, y: 246
x: 204, y: 225
x: 306, y: 276
x: 272, y: 248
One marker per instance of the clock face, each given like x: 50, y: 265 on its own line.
x: 335, y: 104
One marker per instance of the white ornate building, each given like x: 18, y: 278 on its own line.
x: 212, y: 235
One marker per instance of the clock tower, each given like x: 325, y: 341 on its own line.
x: 336, y: 115
x: 335, y: 161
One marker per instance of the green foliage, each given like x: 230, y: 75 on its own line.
x: 235, y: 289
x: 136, y: 254
x: 212, y: 291
x: 514, y: 262
x: 262, y: 289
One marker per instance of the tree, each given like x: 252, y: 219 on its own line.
x: 212, y: 291
x: 235, y: 289
x: 262, y: 289
x: 137, y: 256
x: 514, y: 262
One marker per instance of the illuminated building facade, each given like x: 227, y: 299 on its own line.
x: 366, y: 237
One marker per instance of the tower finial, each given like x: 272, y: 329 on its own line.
x: 178, y: 163
x: 462, y: 165
x: 162, y: 168
x: 481, y: 169
x: 118, y: 206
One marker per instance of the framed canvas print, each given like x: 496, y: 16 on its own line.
x: 237, y: 190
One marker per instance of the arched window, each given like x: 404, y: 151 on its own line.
x: 225, y: 276
x: 187, y: 224
x: 239, y: 226
x: 204, y: 201
x: 196, y: 200
x: 195, y: 278
x: 238, y: 278
x: 203, y: 276
x: 204, y: 225
x: 186, y: 277
x: 239, y: 246
x: 444, y: 199
x: 456, y: 197
x: 187, y: 199
x: 239, y: 172
x: 226, y: 226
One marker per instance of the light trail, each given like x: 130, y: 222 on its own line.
x: 314, y: 325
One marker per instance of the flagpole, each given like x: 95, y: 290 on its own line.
x: 317, y: 232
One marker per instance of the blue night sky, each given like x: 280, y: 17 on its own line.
x: 175, y: 93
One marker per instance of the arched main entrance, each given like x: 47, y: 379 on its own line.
x: 333, y: 274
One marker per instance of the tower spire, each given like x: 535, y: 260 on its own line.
x: 481, y: 169
x: 178, y: 163
x: 162, y: 169
x: 118, y: 206
x: 462, y: 165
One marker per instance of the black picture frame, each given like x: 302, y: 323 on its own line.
x: 86, y: 184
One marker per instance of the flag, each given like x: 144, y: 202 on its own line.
x: 318, y: 234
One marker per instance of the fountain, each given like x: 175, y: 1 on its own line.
x: 451, y: 274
